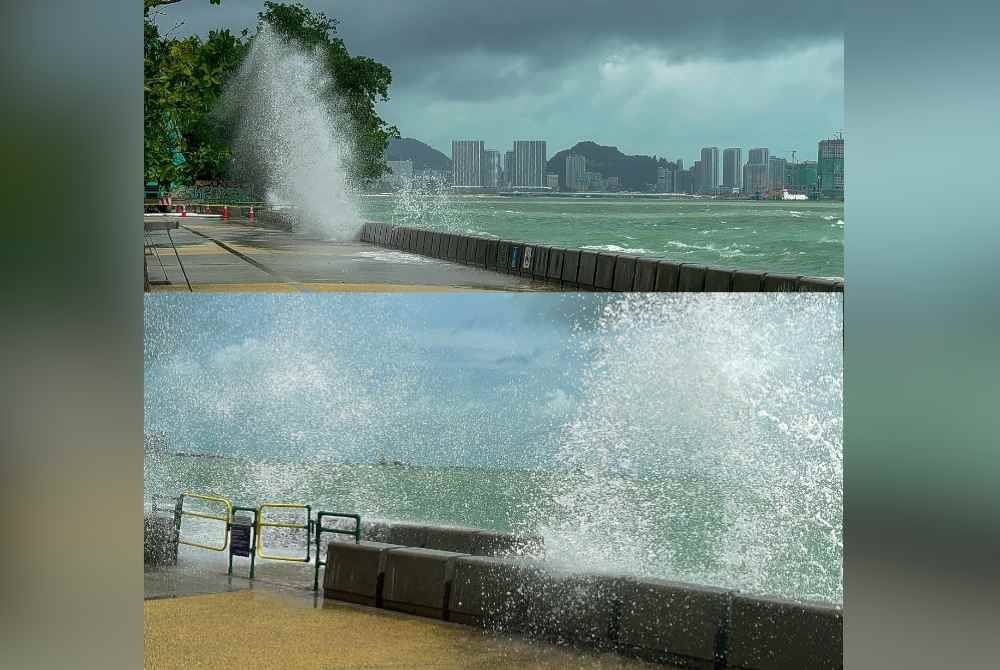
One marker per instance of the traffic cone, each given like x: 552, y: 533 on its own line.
x: 184, y: 211
x: 225, y: 212
x: 251, y: 215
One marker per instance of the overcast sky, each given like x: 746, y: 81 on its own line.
x: 648, y: 76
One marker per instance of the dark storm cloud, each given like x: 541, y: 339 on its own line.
x: 475, y: 49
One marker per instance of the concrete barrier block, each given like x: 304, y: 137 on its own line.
x: 571, y: 265
x: 540, y: 263
x: 404, y: 239
x: 768, y: 634
x: 718, y: 280
x: 452, y: 252
x: 492, y: 543
x: 667, y: 275
x: 354, y: 572
x: 503, y: 255
x: 645, y: 275
x: 461, y: 248
x: 443, y: 538
x: 747, y: 281
x: 418, y: 581
x: 691, y: 277
x: 516, y: 254
x: 527, y: 259
x: 371, y: 531
x: 366, y: 235
x: 433, y: 243
x: 624, y: 273
x: 427, y: 246
x: 479, y: 252
x: 577, y: 608
x: 415, y: 236
x: 159, y: 540
x: 493, y: 593
x: 587, y: 272
x: 492, y: 249
x: 604, y: 278
x: 671, y: 621
x: 555, y: 266
x: 383, y: 233
x: 780, y: 283
x: 469, y: 258
x: 406, y: 534
x: 816, y: 284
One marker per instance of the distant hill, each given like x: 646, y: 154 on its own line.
x: 422, y: 155
x: 637, y: 173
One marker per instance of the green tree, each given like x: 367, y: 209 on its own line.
x: 185, y: 79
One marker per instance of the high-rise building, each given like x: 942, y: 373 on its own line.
x: 576, y: 167
x: 467, y: 163
x: 802, y: 177
x: 552, y: 180
x: 529, y: 164
x: 508, y: 169
x: 710, y: 169
x: 775, y: 174
x: 664, y: 180
x: 732, y: 168
x: 755, y: 172
x: 830, y: 168
x: 491, y: 168
x: 698, y: 177
x: 758, y: 156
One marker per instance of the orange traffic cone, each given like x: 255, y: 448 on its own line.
x: 251, y: 215
x: 225, y: 212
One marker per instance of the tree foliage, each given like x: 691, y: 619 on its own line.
x: 185, y: 79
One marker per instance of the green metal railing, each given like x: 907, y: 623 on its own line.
x: 250, y: 541
x: 320, y: 529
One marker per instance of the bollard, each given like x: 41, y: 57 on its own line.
x: 225, y: 212
x: 251, y: 215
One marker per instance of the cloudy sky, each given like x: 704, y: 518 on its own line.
x: 648, y: 76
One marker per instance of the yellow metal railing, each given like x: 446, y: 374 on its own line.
x: 212, y: 517
x: 262, y: 524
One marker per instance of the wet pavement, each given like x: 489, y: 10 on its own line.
x: 197, y: 616
x: 217, y: 255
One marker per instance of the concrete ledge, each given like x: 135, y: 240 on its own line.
x: 571, y: 264
x: 492, y: 593
x: 452, y: 252
x: 780, y: 283
x: 354, y: 572
x: 516, y: 255
x: 462, y: 249
x: 776, y: 634
x: 669, y: 621
x: 645, y: 275
x: 667, y: 275
x: 604, y: 278
x: 503, y: 256
x: 406, y: 534
x: 491, y: 254
x: 556, y: 259
x: 624, y: 273
x: 820, y: 285
x: 691, y: 277
x: 418, y: 581
x: 540, y: 262
x: 443, y: 538
x: 718, y: 280
x: 587, y: 271
x: 747, y: 281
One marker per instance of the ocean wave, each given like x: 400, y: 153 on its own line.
x: 392, y: 257
x: 616, y: 248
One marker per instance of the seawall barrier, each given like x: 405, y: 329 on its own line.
x: 583, y: 269
x: 658, y: 620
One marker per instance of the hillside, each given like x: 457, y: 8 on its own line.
x: 637, y: 173
x: 423, y: 156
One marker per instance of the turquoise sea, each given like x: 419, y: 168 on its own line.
x: 796, y: 237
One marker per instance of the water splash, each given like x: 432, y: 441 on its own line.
x: 293, y: 136
x: 708, y: 446
x: 426, y: 203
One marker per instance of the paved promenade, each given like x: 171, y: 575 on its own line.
x: 230, y: 256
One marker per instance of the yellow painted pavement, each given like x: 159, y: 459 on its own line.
x: 255, y: 629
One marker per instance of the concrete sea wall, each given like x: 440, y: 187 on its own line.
x: 684, y: 624
x: 582, y: 269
